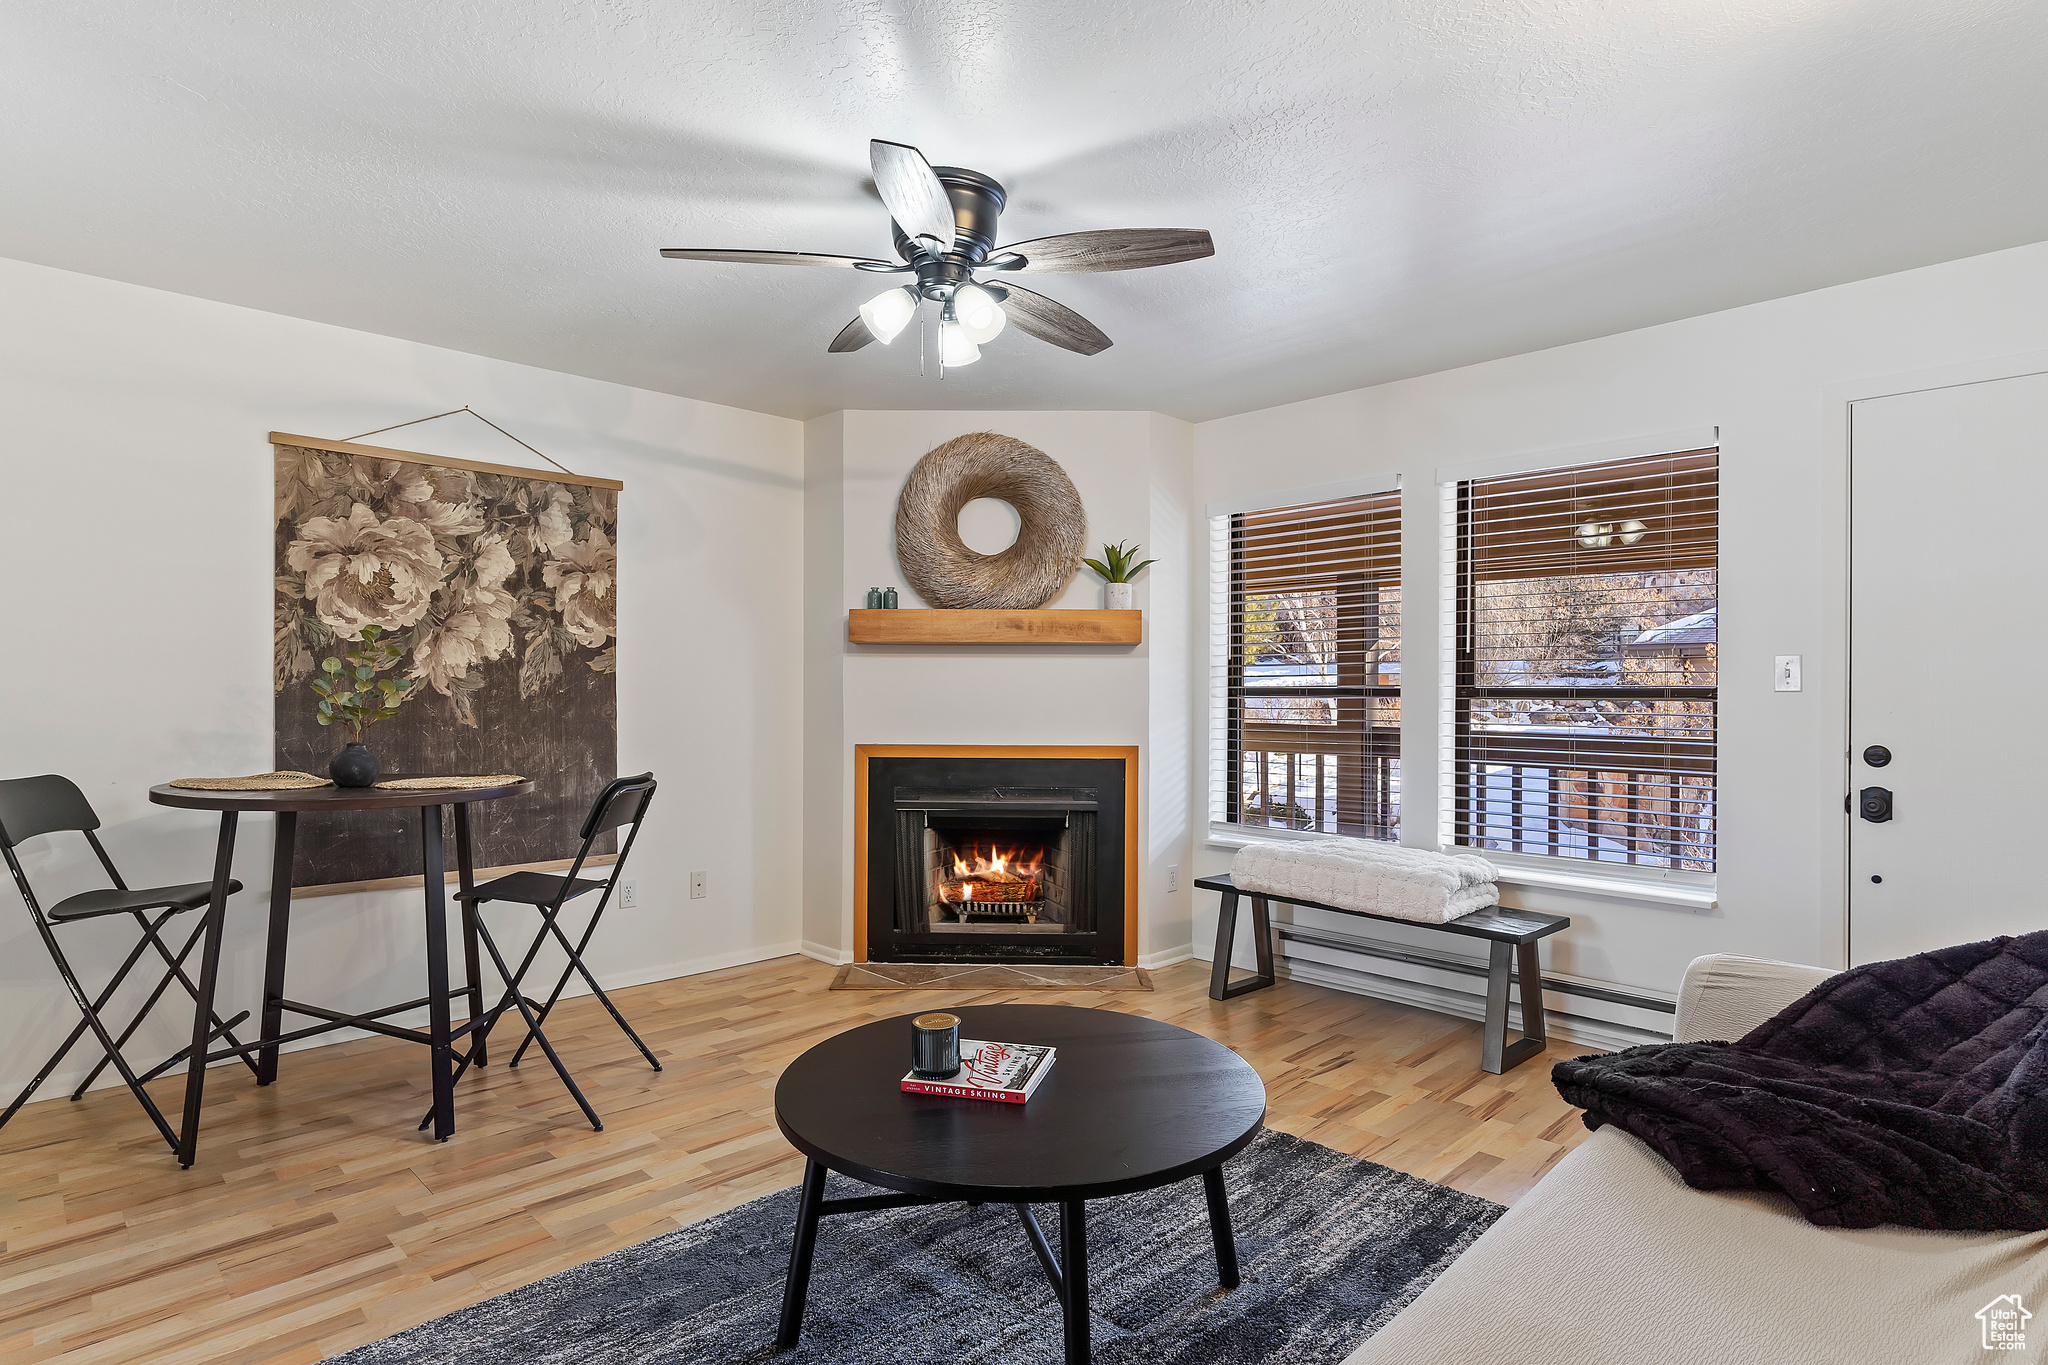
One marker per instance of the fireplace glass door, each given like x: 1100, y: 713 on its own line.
x: 981, y: 871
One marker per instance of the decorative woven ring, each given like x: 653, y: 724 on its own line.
x: 1030, y: 573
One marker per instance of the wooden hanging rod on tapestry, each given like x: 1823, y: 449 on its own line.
x: 285, y: 438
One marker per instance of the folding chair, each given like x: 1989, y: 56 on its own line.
x: 623, y: 803
x: 30, y: 806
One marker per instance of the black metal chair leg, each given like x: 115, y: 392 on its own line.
x: 1219, y: 1227
x: 176, y: 973
x: 796, y: 1285
x: 147, y: 1005
x: 533, y: 1027
x: 576, y: 965
x: 64, y: 1049
x: 99, y: 1030
x: 525, y: 965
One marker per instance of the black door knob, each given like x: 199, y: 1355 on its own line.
x: 1874, y: 804
x: 1877, y: 755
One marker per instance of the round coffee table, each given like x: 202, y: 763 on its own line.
x: 1130, y: 1104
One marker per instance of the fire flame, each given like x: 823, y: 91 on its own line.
x: 1014, y: 869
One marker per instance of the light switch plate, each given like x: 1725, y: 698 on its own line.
x: 1788, y: 673
x: 1173, y: 876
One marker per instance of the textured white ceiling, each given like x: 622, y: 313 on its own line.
x: 1394, y: 187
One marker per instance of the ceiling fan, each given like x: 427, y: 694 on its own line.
x: 944, y: 228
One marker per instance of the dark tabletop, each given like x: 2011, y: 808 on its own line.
x: 1130, y: 1103
x: 331, y: 798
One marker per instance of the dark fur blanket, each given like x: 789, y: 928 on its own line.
x: 1911, y: 1092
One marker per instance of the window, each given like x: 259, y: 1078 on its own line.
x: 1310, y: 688
x: 1584, y: 669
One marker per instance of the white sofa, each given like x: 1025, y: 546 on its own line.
x: 1613, y: 1258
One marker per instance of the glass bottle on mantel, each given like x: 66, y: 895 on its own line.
x: 874, y: 599
x: 889, y: 599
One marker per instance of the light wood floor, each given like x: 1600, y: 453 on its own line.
x: 317, y: 1219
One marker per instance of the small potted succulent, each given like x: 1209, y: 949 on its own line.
x: 355, y: 698
x: 1118, y: 566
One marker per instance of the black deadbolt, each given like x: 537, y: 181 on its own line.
x: 1874, y: 804
x: 1877, y: 755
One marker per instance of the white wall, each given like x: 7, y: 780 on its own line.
x: 138, y: 483
x: 1763, y: 374
x: 1131, y: 469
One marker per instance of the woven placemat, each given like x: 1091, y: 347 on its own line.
x: 435, y: 784
x: 259, y: 782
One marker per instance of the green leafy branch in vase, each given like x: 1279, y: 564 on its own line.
x: 351, y: 694
x: 1115, y: 566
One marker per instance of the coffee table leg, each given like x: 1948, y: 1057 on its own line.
x: 1074, y: 1269
x: 797, y: 1283
x: 1219, y: 1227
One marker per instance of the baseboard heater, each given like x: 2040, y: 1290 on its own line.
x: 1423, y: 957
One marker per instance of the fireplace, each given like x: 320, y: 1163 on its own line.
x: 995, y: 855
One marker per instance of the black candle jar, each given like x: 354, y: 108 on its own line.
x: 935, y: 1047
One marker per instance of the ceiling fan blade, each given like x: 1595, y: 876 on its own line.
x: 912, y: 192
x: 1055, y: 322
x: 852, y: 337
x: 1112, y: 249
x: 683, y: 253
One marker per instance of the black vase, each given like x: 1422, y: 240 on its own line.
x: 355, y: 766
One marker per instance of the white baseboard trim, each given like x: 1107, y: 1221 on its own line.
x: 63, y: 1080
x: 1166, y: 957
x: 831, y: 957
x: 1578, y: 1028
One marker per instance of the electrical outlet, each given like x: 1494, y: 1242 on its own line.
x: 696, y: 886
x: 1788, y: 673
x: 629, y: 894
x: 1173, y: 876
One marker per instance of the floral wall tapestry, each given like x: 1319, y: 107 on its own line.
x: 501, y: 593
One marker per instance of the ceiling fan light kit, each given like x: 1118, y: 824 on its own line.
x: 889, y: 312
x: 956, y: 348
x: 943, y: 222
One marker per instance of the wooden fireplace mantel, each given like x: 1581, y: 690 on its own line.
x: 863, y: 752
x: 931, y: 626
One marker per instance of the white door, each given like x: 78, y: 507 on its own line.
x: 1948, y: 665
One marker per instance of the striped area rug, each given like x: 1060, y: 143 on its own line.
x: 1330, y: 1249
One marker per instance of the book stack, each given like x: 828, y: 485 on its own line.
x: 1005, y: 1072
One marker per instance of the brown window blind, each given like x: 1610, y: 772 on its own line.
x: 1312, y: 683
x: 1586, y: 641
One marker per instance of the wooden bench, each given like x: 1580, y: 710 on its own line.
x: 1511, y: 934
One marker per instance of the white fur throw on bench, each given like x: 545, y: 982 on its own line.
x: 1376, y: 878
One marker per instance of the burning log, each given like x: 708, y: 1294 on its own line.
x: 1002, y: 875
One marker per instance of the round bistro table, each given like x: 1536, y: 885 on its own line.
x: 1129, y: 1104
x: 287, y: 806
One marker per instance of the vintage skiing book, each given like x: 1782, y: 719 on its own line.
x: 1008, y: 1072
